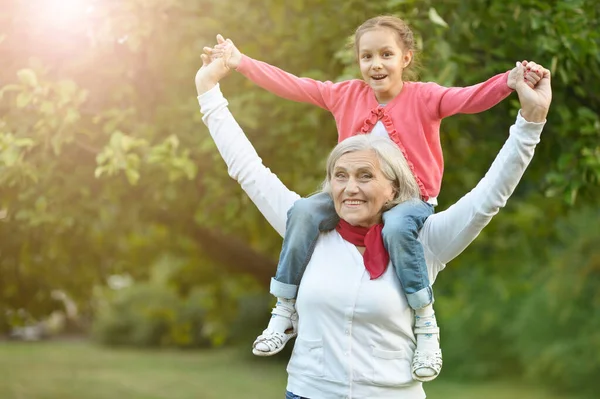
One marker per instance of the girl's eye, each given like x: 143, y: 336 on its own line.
x: 366, y: 56
x: 387, y: 54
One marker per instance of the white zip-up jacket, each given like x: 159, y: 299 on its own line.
x: 355, y: 335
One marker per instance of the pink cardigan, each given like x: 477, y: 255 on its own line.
x: 412, y: 119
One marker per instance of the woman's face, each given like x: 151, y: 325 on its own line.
x: 359, y: 188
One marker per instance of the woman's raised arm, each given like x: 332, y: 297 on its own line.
x: 268, y: 193
x: 448, y: 233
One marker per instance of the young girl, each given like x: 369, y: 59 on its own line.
x: 409, y: 113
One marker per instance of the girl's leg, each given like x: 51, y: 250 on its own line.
x: 306, y: 219
x: 401, y: 226
x: 400, y: 234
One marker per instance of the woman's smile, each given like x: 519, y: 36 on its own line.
x: 359, y: 188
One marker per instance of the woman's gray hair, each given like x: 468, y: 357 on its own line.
x: 393, y: 165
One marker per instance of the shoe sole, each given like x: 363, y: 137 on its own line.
x: 276, y: 351
x: 424, y: 379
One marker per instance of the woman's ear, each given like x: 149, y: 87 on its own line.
x: 395, y: 190
x: 391, y: 198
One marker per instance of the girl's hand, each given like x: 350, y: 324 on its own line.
x: 225, y: 49
x: 533, y: 74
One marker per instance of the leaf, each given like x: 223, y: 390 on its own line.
x: 436, y: 19
x: 9, y: 158
x: 8, y: 88
x: 553, y: 65
x: 71, y: 117
x: 173, y: 140
x: 24, y: 142
x: 47, y: 108
x: 67, y: 89
x: 24, y: 99
x: 28, y: 77
x: 133, y: 176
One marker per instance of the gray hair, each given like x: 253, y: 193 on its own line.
x: 393, y: 165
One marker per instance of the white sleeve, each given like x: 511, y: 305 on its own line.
x: 446, y: 234
x: 264, y: 188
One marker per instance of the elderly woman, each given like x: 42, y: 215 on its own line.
x: 348, y: 345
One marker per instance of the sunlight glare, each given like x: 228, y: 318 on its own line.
x: 60, y: 12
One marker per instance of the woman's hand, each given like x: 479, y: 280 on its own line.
x: 535, y: 102
x: 211, y: 72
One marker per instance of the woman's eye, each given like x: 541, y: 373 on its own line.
x: 366, y: 176
x: 339, y: 175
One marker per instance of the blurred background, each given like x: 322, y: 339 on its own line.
x: 132, y: 266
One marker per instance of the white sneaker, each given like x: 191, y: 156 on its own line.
x: 282, y: 327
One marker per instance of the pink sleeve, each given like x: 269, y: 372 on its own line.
x: 288, y: 86
x: 470, y: 99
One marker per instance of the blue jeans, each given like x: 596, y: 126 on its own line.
x: 401, y: 224
x: 289, y: 395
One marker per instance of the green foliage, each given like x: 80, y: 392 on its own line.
x: 557, y: 325
x: 143, y: 316
x: 154, y: 314
x: 172, y: 308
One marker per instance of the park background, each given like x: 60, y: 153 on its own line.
x: 144, y: 269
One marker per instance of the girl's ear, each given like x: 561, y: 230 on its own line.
x: 408, y: 56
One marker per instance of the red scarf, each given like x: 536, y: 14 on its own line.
x: 376, y: 256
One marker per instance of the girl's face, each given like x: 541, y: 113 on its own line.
x: 382, y: 60
x: 360, y: 189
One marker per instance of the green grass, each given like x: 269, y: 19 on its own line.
x: 66, y: 370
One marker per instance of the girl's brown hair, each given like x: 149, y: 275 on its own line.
x: 403, y: 33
